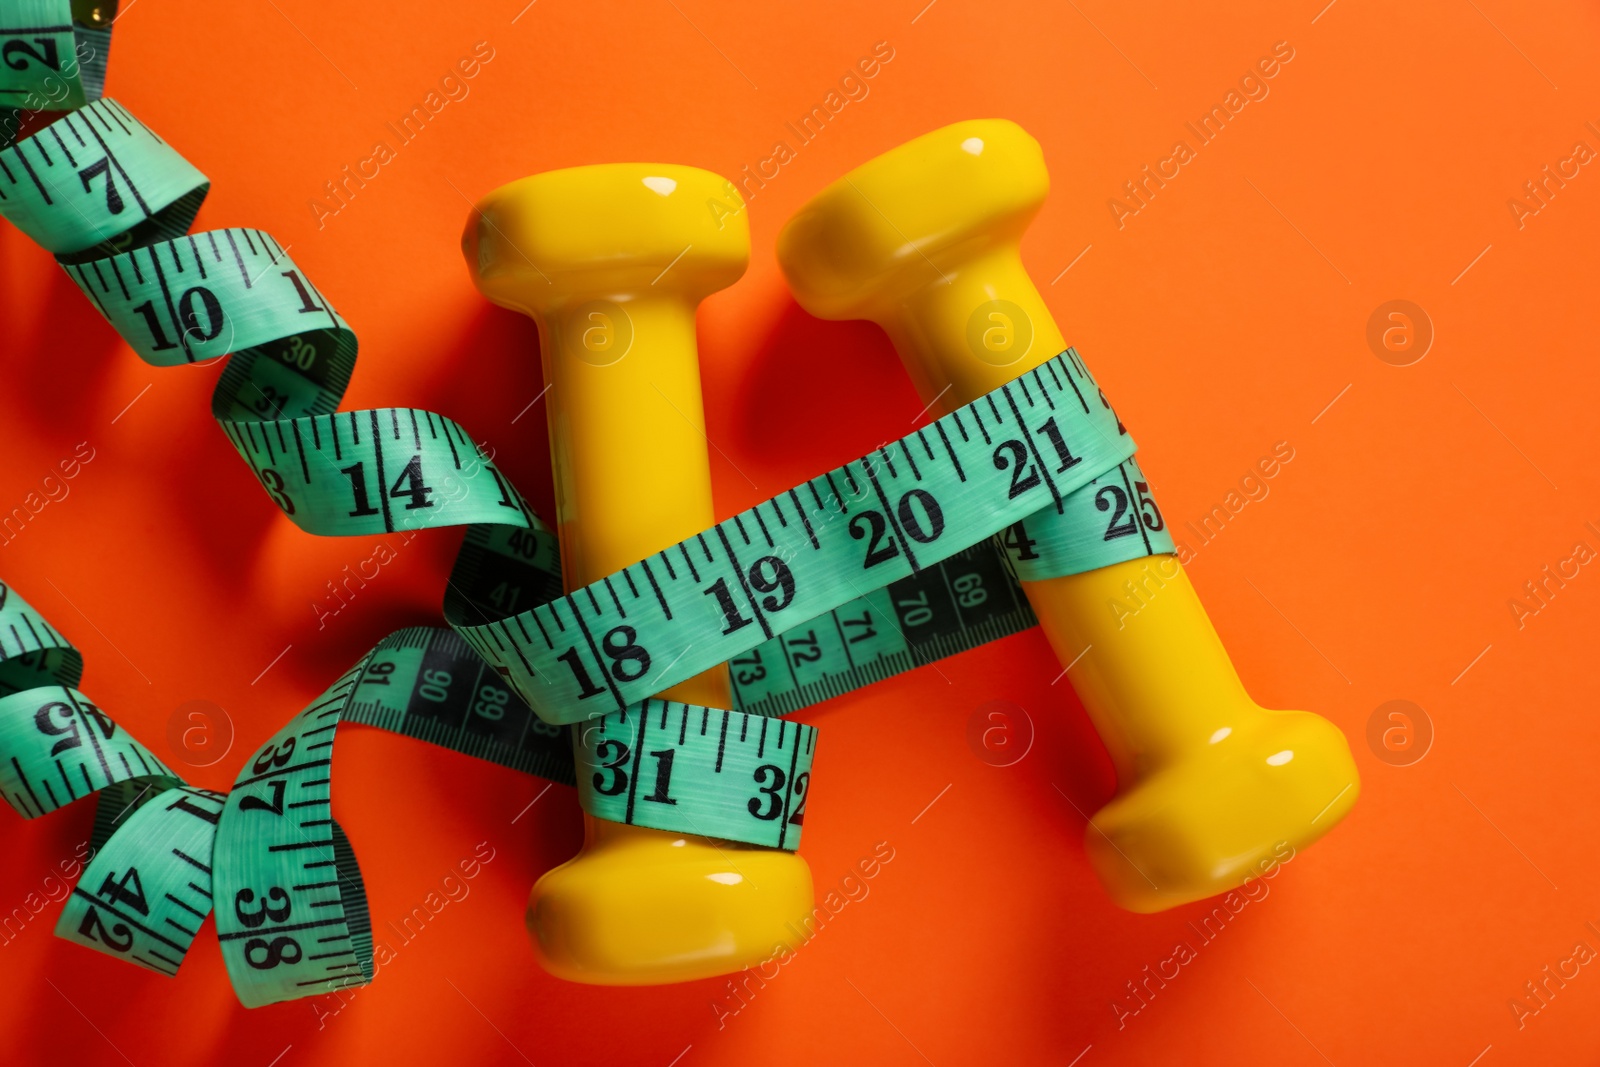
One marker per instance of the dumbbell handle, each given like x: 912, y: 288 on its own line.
x: 632, y: 470
x: 1152, y: 684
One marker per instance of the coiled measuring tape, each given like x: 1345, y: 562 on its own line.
x: 293, y: 920
x: 866, y: 571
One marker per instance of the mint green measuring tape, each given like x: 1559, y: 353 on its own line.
x: 876, y: 567
x: 1029, y: 450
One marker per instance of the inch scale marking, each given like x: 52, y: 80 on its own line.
x: 428, y: 684
x: 957, y: 604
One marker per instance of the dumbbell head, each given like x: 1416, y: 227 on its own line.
x: 895, y: 223
x: 611, y: 261
x: 612, y: 230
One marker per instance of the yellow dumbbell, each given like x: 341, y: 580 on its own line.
x: 612, y: 261
x: 1212, y: 788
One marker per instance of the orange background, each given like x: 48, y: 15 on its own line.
x: 1222, y: 318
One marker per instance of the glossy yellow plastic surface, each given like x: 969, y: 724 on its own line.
x: 612, y: 261
x: 1211, y: 787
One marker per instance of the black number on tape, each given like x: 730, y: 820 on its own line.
x: 275, y: 907
x: 1111, y: 498
x: 613, y: 754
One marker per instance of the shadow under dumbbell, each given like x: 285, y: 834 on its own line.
x: 815, y: 394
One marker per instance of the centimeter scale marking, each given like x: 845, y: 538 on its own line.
x: 228, y: 292
x: 761, y: 755
x: 51, y: 61
x: 777, y: 566
x: 281, y: 893
x: 379, y: 471
x: 115, y: 905
x: 106, y: 178
x: 109, y: 114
